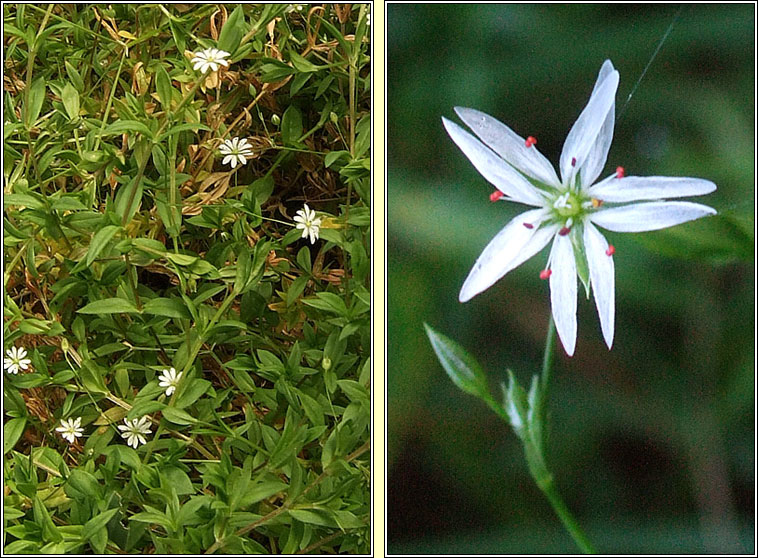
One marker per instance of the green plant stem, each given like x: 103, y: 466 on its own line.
x: 540, y: 474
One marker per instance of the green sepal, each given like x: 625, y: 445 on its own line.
x: 516, y: 405
x: 580, y: 256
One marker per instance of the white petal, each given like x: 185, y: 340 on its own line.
x: 598, y: 154
x: 241, y: 158
x: 229, y: 160
x: 649, y: 216
x: 584, y: 133
x: 213, y: 64
x: 633, y: 188
x: 493, y: 168
x: 509, y: 145
x: 563, y: 291
x: 601, y: 278
x: 507, y: 246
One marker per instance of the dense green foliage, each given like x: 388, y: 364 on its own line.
x: 131, y: 248
x: 651, y: 443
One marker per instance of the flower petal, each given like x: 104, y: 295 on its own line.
x: 509, y: 145
x: 649, y: 216
x: 602, y: 279
x: 497, y: 257
x: 598, y: 154
x: 633, y: 188
x: 586, y: 129
x: 563, y: 291
x: 493, y: 168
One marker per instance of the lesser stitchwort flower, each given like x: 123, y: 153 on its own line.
x: 134, y: 431
x: 71, y: 429
x: 306, y: 219
x: 169, y: 380
x: 209, y: 58
x: 16, y: 360
x: 568, y: 209
x: 236, y: 150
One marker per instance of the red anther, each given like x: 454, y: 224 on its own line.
x: 620, y: 172
x: 573, y: 161
x: 528, y: 225
x: 496, y: 195
x: 545, y: 273
x: 611, y: 250
x: 530, y: 141
x: 564, y: 231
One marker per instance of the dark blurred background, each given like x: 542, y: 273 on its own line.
x: 653, y: 443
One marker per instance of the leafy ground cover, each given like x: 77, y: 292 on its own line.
x: 195, y: 370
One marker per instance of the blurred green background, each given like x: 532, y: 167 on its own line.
x: 652, y: 443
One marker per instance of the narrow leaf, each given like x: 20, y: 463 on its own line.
x: 462, y: 368
x: 100, y: 241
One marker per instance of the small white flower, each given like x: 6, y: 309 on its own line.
x: 134, y: 431
x: 71, y: 429
x: 16, y: 360
x: 306, y: 219
x: 236, y: 150
x: 567, y: 210
x: 209, y: 58
x: 169, y: 380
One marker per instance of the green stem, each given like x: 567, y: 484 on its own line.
x: 539, y: 471
x: 566, y: 517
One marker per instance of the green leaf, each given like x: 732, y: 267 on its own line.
x: 177, y: 416
x: 462, y: 368
x: 232, y: 31
x: 163, y: 85
x: 128, y: 199
x: 128, y: 126
x: 35, y: 100
x: 109, y: 306
x: 181, y: 259
x: 329, y: 302
x: 12, y: 431
x: 302, y: 64
x: 70, y: 98
x: 292, y: 125
x: 98, y: 522
x: 169, y: 307
x: 262, y: 488
x: 100, y: 241
x: 74, y: 76
x: 186, y: 127
x: 50, y: 532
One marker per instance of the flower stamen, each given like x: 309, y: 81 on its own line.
x: 620, y: 172
x: 529, y: 226
x: 496, y: 195
x: 545, y: 273
x: 611, y: 250
x: 596, y: 203
x: 573, y: 161
x: 530, y: 141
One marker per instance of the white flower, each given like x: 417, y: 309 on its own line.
x: 16, y: 360
x: 209, y: 58
x: 568, y: 209
x: 306, y: 219
x: 71, y: 429
x: 134, y: 431
x: 236, y: 150
x: 169, y: 380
